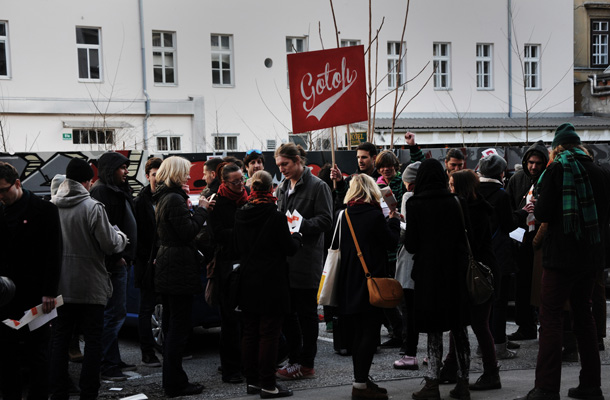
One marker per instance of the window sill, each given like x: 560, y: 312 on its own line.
x: 223, y: 86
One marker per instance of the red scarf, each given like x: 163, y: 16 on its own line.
x: 238, y: 198
x: 261, y: 197
x: 352, y: 203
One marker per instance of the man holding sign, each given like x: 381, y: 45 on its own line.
x: 302, y: 193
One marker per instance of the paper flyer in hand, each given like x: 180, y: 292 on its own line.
x: 388, y: 201
x: 294, y: 220
x: 35, y: 314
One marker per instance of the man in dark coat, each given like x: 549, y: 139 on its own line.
x: 30, y: 235
x: 520, y: 189
x: 145, y: 217
x: 303, y: 192
x: 574, y: 200
x: 114, y: 192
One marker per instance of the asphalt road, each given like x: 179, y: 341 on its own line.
x: 332, y: 370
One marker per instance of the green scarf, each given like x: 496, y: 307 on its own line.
x: 577, y: 197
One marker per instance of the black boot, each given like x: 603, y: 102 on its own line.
x: 488, y: 381
x: 429, y: 391
x: 461, y: 390
x: 448, y: 373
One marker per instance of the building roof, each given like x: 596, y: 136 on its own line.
x: 491, y: 124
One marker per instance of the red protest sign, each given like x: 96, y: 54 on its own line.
x: 327, y: 88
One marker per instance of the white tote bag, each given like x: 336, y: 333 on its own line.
x: 327, y: 295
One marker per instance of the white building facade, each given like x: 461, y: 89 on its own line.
x: 203, y: 76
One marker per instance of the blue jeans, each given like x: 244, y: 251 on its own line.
x: 114, y: 317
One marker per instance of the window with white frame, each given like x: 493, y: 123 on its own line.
x: 92, y: 136
x: 295, y: 45
x: 4, y: 61
x: 222, y: 60
x: 396, y: 72
x: 484, y: 66
x: 225, y: 142
x: 348, y: 43
x: 169, y: 143
x: 89, y: 49
x: 600, y: 31
x: 164, y: 57
x: 531, y: 66
x: 441, y: 56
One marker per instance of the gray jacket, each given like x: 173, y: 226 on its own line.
x: 87, y: 238
x: 312, y: 199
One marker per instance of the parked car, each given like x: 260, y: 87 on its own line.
x: 203, y: 315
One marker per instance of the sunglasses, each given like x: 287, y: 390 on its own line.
x: 253, y: 151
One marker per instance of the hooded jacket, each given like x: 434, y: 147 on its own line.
x: 87, y: 237
x: 520, y: 183
x: 118, y: 201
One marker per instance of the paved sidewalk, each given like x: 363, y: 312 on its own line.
x: 515, y: 383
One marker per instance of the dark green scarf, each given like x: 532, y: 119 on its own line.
x: 577, y: 196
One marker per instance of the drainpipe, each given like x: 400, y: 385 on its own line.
x: 144, y: 87
x: 510, y: 58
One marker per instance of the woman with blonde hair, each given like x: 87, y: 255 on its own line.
x: 375, y: 236
x: 177, y: 268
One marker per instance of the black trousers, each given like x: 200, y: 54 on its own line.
x: 301, y: 327
x: 148, y: 301
x: 19, y: 348
x: 365, y: 327
x: 260, y: 339
x: 90, y: 319
x: 177, y: 310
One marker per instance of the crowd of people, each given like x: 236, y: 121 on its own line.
x: 264, y: 276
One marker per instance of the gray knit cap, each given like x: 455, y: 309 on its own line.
x: 492, y: 166
x: 411, y: 172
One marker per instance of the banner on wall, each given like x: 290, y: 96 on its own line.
x: 327, y: 88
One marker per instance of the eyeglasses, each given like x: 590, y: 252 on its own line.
x: 237, y: 183
x: 6, y: 189
x: 253, y: 151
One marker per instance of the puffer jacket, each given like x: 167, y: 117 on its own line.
x: 87, y: 238
x: 178, y: 264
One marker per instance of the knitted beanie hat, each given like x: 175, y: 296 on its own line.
x: 411, y: 172
x: 491, y: 166
x: 565, y: 134
x: 79, y: 170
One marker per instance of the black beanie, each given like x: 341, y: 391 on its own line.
x: 79, y: 170
x: 565, y: 134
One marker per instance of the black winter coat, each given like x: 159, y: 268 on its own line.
x: 375, y: 237
x: 145, y: 217
x: 263, y: 242
x: 118, y: 202
x: 31, y: 244
x: 480, y: 213
x: 435, y: 236
x: 563, y: 251
x: 178, y: 268
x: 502, y: 224
x: 222, y: 222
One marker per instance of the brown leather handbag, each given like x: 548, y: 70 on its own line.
x: 383, y: 292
